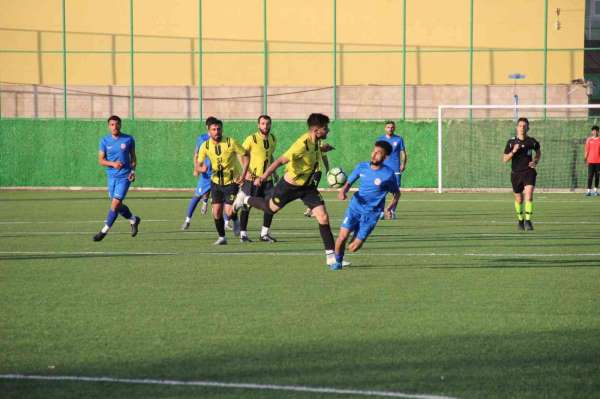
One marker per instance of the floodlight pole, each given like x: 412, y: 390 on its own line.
x: 334, y: 114
x: 131, y: 65
x: 200, y: 59
x: 265, y: 60
x: 64, y: 56
x: 471, y: 23
x: 403, y: 60
x: 545, y: 55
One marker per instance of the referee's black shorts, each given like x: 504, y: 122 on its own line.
x: 223, y: 193
x: 522, y: 178
x: 263, y: 191
x: 285, y: 192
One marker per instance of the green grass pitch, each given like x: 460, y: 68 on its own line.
x: 448, y: 300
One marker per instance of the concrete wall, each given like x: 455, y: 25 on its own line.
x: 508, y: 38
x: 354, y: 102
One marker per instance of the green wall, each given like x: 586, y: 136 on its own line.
x: 64, y: 153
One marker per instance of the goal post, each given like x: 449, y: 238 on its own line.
x: 471, y: 139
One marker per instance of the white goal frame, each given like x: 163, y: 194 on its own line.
x: 441, y: 109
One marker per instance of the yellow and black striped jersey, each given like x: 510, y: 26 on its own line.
x: 304, y: 157
x: 223, y: 159
x: 261, y: 151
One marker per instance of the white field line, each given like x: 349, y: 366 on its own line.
x: 283, y: 219
x: 83, y: 253
x: 232, y: 385
x: 71, y: 221
x: 311, y: 253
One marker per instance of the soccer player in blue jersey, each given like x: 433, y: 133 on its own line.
x: 117, y: 154
x: 396, y: 160
x: 362, y: 214
x: 202, y: 191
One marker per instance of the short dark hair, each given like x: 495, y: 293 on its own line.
x: 214, y: 121
x: 596, y: 128
x: 114, y: 118
x: 319, y: 120
x: 267, y: 117
x: 387, y: 147
x: 210, y: 121
x: 390, y: 123
x: 523, y: 120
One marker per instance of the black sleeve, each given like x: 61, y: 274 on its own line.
x: 508, y: 147
x: 536, y: 145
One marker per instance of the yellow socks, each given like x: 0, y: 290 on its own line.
x: 528, y: 210
x: 519, y: 210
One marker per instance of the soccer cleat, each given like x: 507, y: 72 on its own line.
x: 308, y: 213
x: 588, y: 194
x: 185, y: 225
x: 382, y: 216
x: 100, y: 236
x: 521, y: 225
x: 221, y: 241
x: 229, y: 224
x: 336, y: 266
x: 267, y: 238
x: 204, y: 208
x: 244, y: 239
x: 134, y: 226
x: 239, y: 200
x: 236, y: 227
x: 595, y: 193
x: 345, y: 263
x: 528, y: 225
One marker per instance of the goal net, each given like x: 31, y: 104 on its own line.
x: 471, y: 141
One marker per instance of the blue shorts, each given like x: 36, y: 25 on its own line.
x: 360, y: 223
x: 203, y: 186
x: 398, y: 178
x: 118, y: 187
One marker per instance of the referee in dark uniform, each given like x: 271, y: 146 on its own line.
x: 519, y: 150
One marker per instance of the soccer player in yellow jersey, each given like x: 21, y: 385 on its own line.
x: 261, y: 146
x: 302, y: 161
x: 225, y: 180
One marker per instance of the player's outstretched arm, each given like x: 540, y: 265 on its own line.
x: 393, y: 203
x: 342, y: 195
x: 245, y: 162
x: 271, y: 169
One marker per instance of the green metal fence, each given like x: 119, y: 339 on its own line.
x: 334, y: 53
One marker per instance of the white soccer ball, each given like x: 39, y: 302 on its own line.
x: 336, y: 177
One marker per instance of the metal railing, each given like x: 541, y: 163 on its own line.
x: 335, y: 52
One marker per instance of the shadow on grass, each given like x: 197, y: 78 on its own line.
x: 556, y: 364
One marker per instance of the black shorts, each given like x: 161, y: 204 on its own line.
x: 521, y: 179
x: 223, y: 193
x: 593, y: 168
x: 263, y: 191
x: 285, y: 192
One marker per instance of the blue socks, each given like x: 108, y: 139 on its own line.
x: 111, y: 217
x: 125, y: 212
x: 192, y: 206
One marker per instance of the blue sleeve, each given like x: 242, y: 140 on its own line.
x: 102, y: 146
x: 132, y: 148
x: 354, y: 175
x: 401, y: 144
